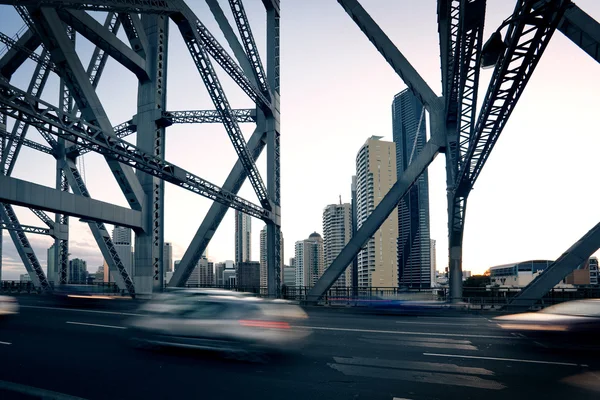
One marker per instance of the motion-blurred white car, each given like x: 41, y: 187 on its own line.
x: 8, y: 306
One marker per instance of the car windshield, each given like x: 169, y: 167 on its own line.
x: 579, y: 308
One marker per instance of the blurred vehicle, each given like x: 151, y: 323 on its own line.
x: 8, y: 306
x: 238, y: 325
x: 577, y: 316
x: 74, y: 295
x: 170, y: 300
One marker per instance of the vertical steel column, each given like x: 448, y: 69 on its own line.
x: 273, y: 165
x: 2, y: 146
x: 61, y: 246
x: 152, y: 96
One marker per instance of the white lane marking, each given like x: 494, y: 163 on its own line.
x: 417, y: 376
x: 418, y: 343
x: 85, y: 311
x: 6, y: 343
x: 406, y: 333
x: 507, y: 359
x: 33, y: 391
x: 436, y: 323
x: 97, y: 325
x: 412, y: 365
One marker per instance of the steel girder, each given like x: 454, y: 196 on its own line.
x: 582, y: 29
x: 59, y: 45
x: 135, y: 33
x: 99, y: 231
x: 106, y: 41
x: 216, y: 213
x: 44, y: 217
x: 232, y: 40
x: 200, y: 56
x: 18, y: 51
x: 273, y: 127
x: 527, y: 37
x: 241, y: 20
x: 199, y: 33
x: 576, y: 255
x: 127, y: 6
x: 152, y: 98
x: 20, y: 105
x: 55, y: 231
x: 32, y: 265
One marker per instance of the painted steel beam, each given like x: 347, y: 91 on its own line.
x: 56, y: 232
x: 135, y: 33
x: 105, y: 40
x: 63, y: 52
x: 27, y: 194
x: 18, y: 51
x: 232, y: 39
x: 272, y: 5
x: 194, y: 30
x: 273, y: 128
x: 577, y: 254
x: 26, y: 253
x: 216, y: 213
x: 376, y: 218
x: 99, y: 57
x: 129, y: 6
x: 528, y: 36
x: 219, y: 99
x: 208, y: 116
x: 393, y: 56
x: 19, y: 131
x: 98, y: 229
x: 50, y: 119
x: 581, y: 28
x: 243, y: 25
x: 44, y: 217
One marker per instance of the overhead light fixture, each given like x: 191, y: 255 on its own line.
x: 492, y: 50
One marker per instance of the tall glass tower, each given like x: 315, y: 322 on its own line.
x: 414, y: 246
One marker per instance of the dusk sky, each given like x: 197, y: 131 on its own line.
x: 536, y: 196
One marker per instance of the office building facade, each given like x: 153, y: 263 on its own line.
x: 248, y: 276
x: 123, y: 245
x: 243, y: 237
x: 203, y: 273
x: 337, y: 232
x: 263, y: 257
x: 167, y: 257
x: 77, y: 271
x: 375, y: 175
x: 414, y: 246
x: 51, y: 270
x: 309, y: 259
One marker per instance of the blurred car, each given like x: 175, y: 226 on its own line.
x: 577, y: 316
x: 237, y: 325
x: 8, y: 306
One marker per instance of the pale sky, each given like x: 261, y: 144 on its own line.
x: 536, y: 195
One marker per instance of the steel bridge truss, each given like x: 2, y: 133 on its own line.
x: 467, y: 138
x: 78, y: 124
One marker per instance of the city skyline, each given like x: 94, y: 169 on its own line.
x: 487, y: 235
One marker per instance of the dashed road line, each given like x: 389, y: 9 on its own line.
x: 96, y: 325
x: 506, y: 359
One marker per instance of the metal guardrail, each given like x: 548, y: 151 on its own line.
x: 28, y: 287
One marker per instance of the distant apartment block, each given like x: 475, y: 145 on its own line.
x: 337, y: 232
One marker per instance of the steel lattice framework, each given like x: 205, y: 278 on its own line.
x: 78, y: 124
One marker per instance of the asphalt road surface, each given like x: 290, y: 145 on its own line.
x: 47, y: 351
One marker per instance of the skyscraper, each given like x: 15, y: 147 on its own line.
x: 263, y: 257
x: 77, y: 271
x: 243, y: 237
x: 375, y: 175
x: 167, y: 257
x: 248, y: 276
x: 122, y: 241
x: 309, y: 260
x: 414, y: 253
x: 337, y: 231
x: 433, y: 264
x: 203, y: 273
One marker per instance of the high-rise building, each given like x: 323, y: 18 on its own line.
x: 243, y: 237
x: 107, y: 274
x: 263, y: 257
x: 248, y: 276
x: 289, y: 275
x: 122, y: 241
x: 433, y: 264
x: 354, y: 274
x: 77, y: 271
x: 337, y: 231
x: 375, y: 175
x: 310, y: 262
x: 219, y: 269
x: 203, y: 273
x: 414, y: 254
x: 229, y: 278
x: 52, y: 271
x: 167, y: 257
